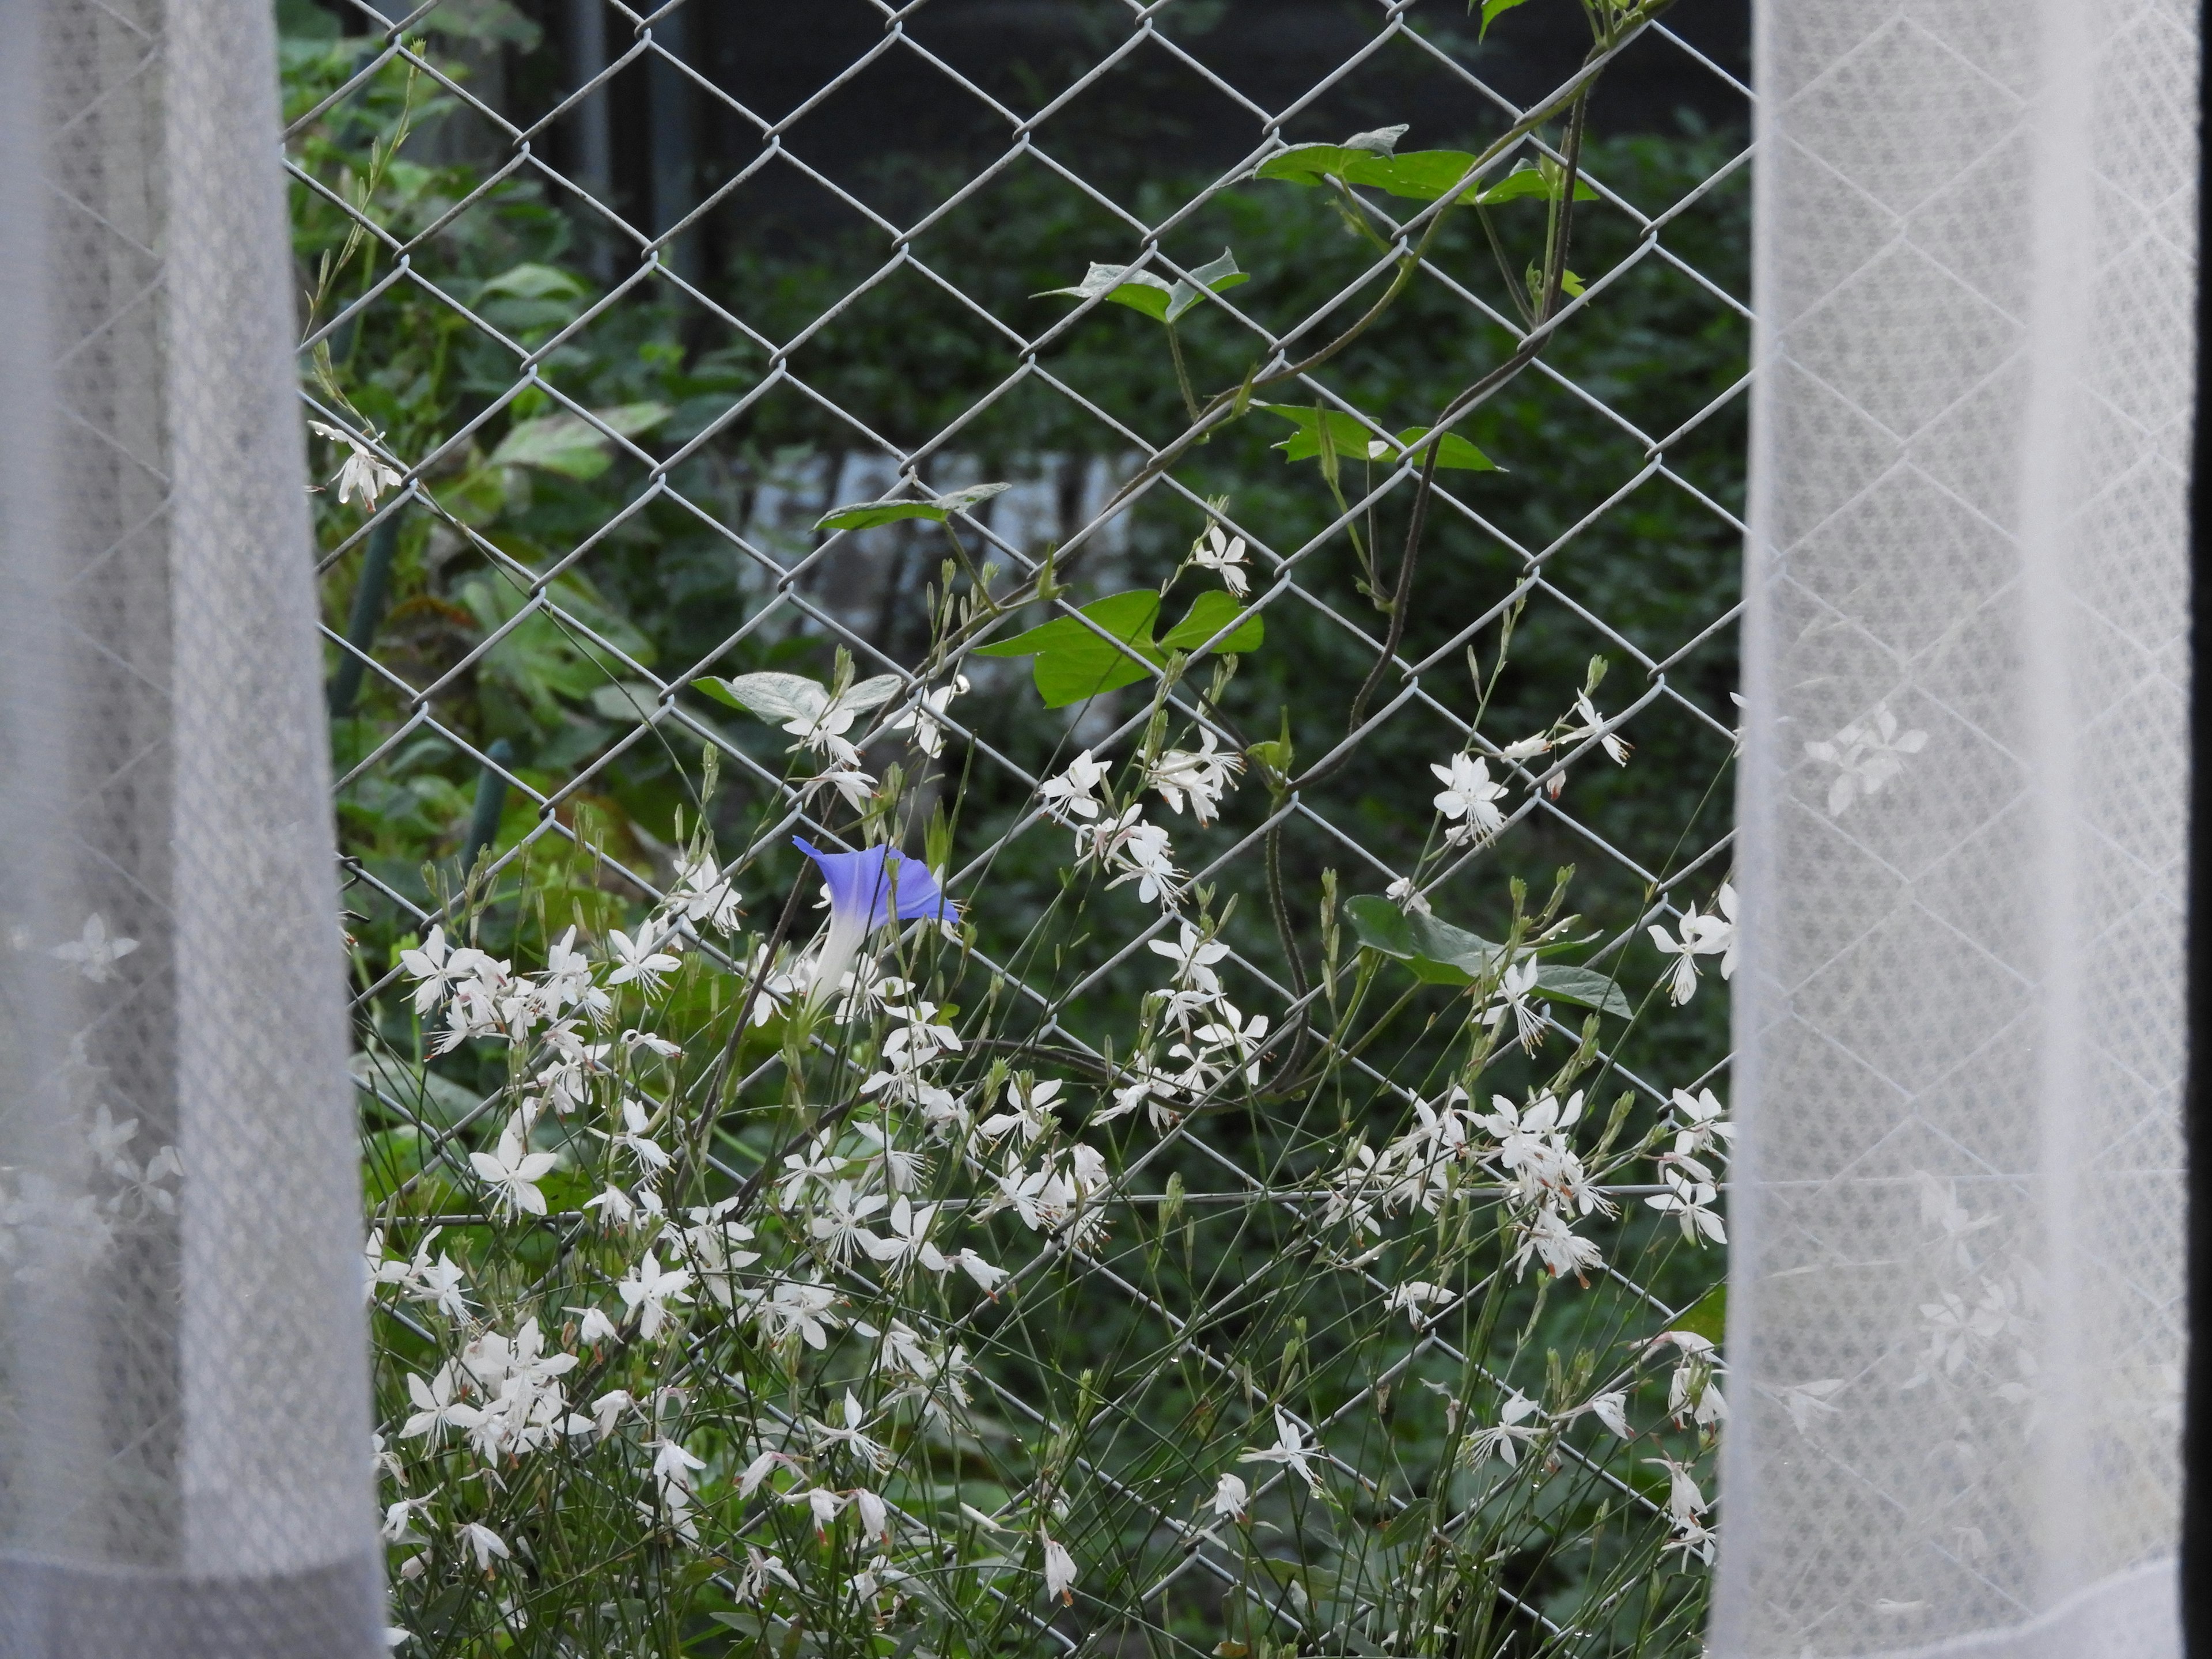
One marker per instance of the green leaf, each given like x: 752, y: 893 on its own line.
x: 1421, y: 175
x: 383, y: 1076
x: 1309, y: 164
x: 1454, y: 453
x: 1707, y: 1316
x: 1441, y: 954
x: 1436, y: 952
x: 570, y: 445
x: 1491, y: 9
x: 535, y: 282
x: 1348, y: 436
x: 1351, y: 438
x: 1216, y: 274
x: 1140, y: 291
x: 867, y: 516
x: 1209, y: 613
x: 1539, y: 179
x: 769, y: 696
x: 1585, y: 988
x: 1073, y: 662
x: 626, y: 701
x: 1126, y: 285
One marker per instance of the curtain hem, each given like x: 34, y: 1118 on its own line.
x: 49, y: 1607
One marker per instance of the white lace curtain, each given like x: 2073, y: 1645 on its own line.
x: 1955, y: 1323
x: 183, y: 1409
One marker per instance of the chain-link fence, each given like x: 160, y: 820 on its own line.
x: 602, y: 341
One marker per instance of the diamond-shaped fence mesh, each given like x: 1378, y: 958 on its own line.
x: 605, y: 323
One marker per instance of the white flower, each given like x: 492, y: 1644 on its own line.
x: 1202, y: 774
x: 440, y: 1283
x: 1692, y: 1392
x: 616, y: 1207
x: 511, y: 1171
x: 640, y: 959
x: 1407, y: 896
x: 435, y: 1406
x: 673, y: 1466
x: 794, y: 1307
x: 1720, y: 930
x: 1684, y: 1502
x: 759, y: 1569
x: 96, y: 951
x: 1692, y: 1539
x: 850, y: 1438
x: 1594, y: 726
x: 1691, y: 939
x: 978, y: 1270
x: 1504, y: 1439
x: 701, y: 892
x: 1223, y: 557
x: 1029, y: 1101
x: 365, y: 473
x: 632, y: 1139
x: 926, y: 718
x: 1700, y: 1125
x: 484, y: 1543
x: 1468, y: 799
x: 1612, y: 1410
x: 595, y: 1328
x: 647, y: 1291
x: 1140, y: 851
x: 1074, y: 793
x: 1515, y: 995
x: 1411, y: 1295
x: 848, y: 780
x: 395, y: 1529
x: 1866, y: 754
x: 1290, y: 1448
x: 875, y: 1513
x: 823, y: 1502
x: 761, y: 1467
x: 821, y: 722
x: 1194, y: 954
x: 1688, y: 1199
x: 1059, y: 1572
x: 1558, y: 1245
x: 841, y: 1222
x: 1230, y: 1498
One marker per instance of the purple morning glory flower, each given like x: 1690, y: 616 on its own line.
x: 868, y: 888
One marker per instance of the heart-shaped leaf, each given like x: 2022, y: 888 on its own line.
x: 1210, y: 612
x: 1436, y: 952
x: 1441, y: 954
x: 1157, y: 298
x: 1353, y: 440
x: 1420, y: 175
x: 867, y: 516
x: 1074, y: 662
x: 1585, y: 988
x: 572, y: 445
x: 769, y: 696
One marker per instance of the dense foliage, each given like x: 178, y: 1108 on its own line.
x: 575, y: 515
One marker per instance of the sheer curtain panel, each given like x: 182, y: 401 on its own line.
x: 1955, y: 1320
x: 184, y: 1411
